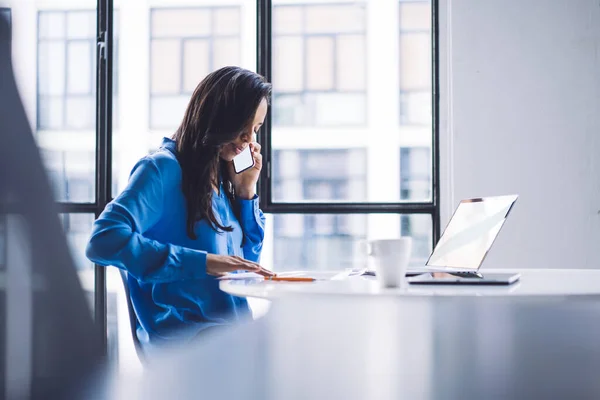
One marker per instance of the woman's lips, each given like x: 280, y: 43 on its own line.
x: 238, y: 149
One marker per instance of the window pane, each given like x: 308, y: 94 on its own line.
x: 71, y: 171
x: 337, y: 109
x: 415, y: 61
x: 50, y: 112
x: 320, y: 175
x: 181, y: 22
x: 77, y: 228
x: 351, y: 70
x: 415, y: 173
x: 226, y: 52
x: 51, y: 25
x: 288, y: 109
x: 197, y: 62
x: 81, y: 25
x: 166, y: 66
x: 51, y: 68
x: 415, y: 108
x: 288, y: 56
x: 79, y: 58
x: 335, y: 18
x: 419, y: 228
x: 81, y: 112
x: 167, y: 112
x: 334, y: 92
x: 324, y: 61
x: 66, y: 98
x: 415, y: 16
x: 319, y: 63
x: 227, y: 21
x: 287, y: 19
x: 336, y: 241
x: 187, y: 44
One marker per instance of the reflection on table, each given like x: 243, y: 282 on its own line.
x: 533, y: 282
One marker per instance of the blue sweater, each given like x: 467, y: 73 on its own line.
x: 143, y: 231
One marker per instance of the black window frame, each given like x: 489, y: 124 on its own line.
x: 265, y: 190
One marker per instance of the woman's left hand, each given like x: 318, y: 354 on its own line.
x: 245, y: 182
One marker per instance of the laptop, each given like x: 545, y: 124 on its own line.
x: 467, y: 239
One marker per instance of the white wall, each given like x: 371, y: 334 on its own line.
x: 520, y: 89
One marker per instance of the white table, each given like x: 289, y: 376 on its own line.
x: 533, y: 282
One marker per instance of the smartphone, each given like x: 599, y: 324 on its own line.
x: 243, y: 161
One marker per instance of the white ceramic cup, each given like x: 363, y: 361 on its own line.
x: 390, y: 259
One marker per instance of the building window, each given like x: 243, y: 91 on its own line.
x: 415, y: 62
x: 319, y: 65
x: 182, y: 53
x: 417, y: 226
x: 71, y: 174
x: 67, y: 70
x: 318, y: 240
x: 320, y: 175
x: 415, y: 173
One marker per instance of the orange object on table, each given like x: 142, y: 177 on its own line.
x: 289, y: 279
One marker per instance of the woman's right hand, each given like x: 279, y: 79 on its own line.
x: 219, y: 265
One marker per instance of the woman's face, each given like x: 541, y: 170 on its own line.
x: 231, y: 149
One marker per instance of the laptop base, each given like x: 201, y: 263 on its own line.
x: 442, y: 278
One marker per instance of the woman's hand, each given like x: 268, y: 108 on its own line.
x: 245, y: 183
x: 218, y: 265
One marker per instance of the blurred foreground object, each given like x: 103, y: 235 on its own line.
x: 49, y: 347
x: 386, y: 347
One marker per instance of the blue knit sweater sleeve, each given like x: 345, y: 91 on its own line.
x: 118, y: 234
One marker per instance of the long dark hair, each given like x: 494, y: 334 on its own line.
x: 221, y: 108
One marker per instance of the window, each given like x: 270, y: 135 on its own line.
x: 319, y: 65
x: 182, y: 53
x: 317, y: 239
x: 415, y: 62
x: 415, y: 173
x: 349, y: 163
x: 66, y: 69
x: 71, y: 174
x: 320, y: 175
x: 66, y: 99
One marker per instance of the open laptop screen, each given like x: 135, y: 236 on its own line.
x: 471, y: 232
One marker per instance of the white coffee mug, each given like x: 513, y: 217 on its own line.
x: 390, y: 259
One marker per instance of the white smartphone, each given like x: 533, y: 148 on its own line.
x: 243, y: 161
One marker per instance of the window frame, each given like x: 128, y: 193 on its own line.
x: 265, y: 189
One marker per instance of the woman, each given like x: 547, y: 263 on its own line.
x: 186, y: 218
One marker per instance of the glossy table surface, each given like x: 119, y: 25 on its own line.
x: 533, y: 282
x: 389, y: 347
